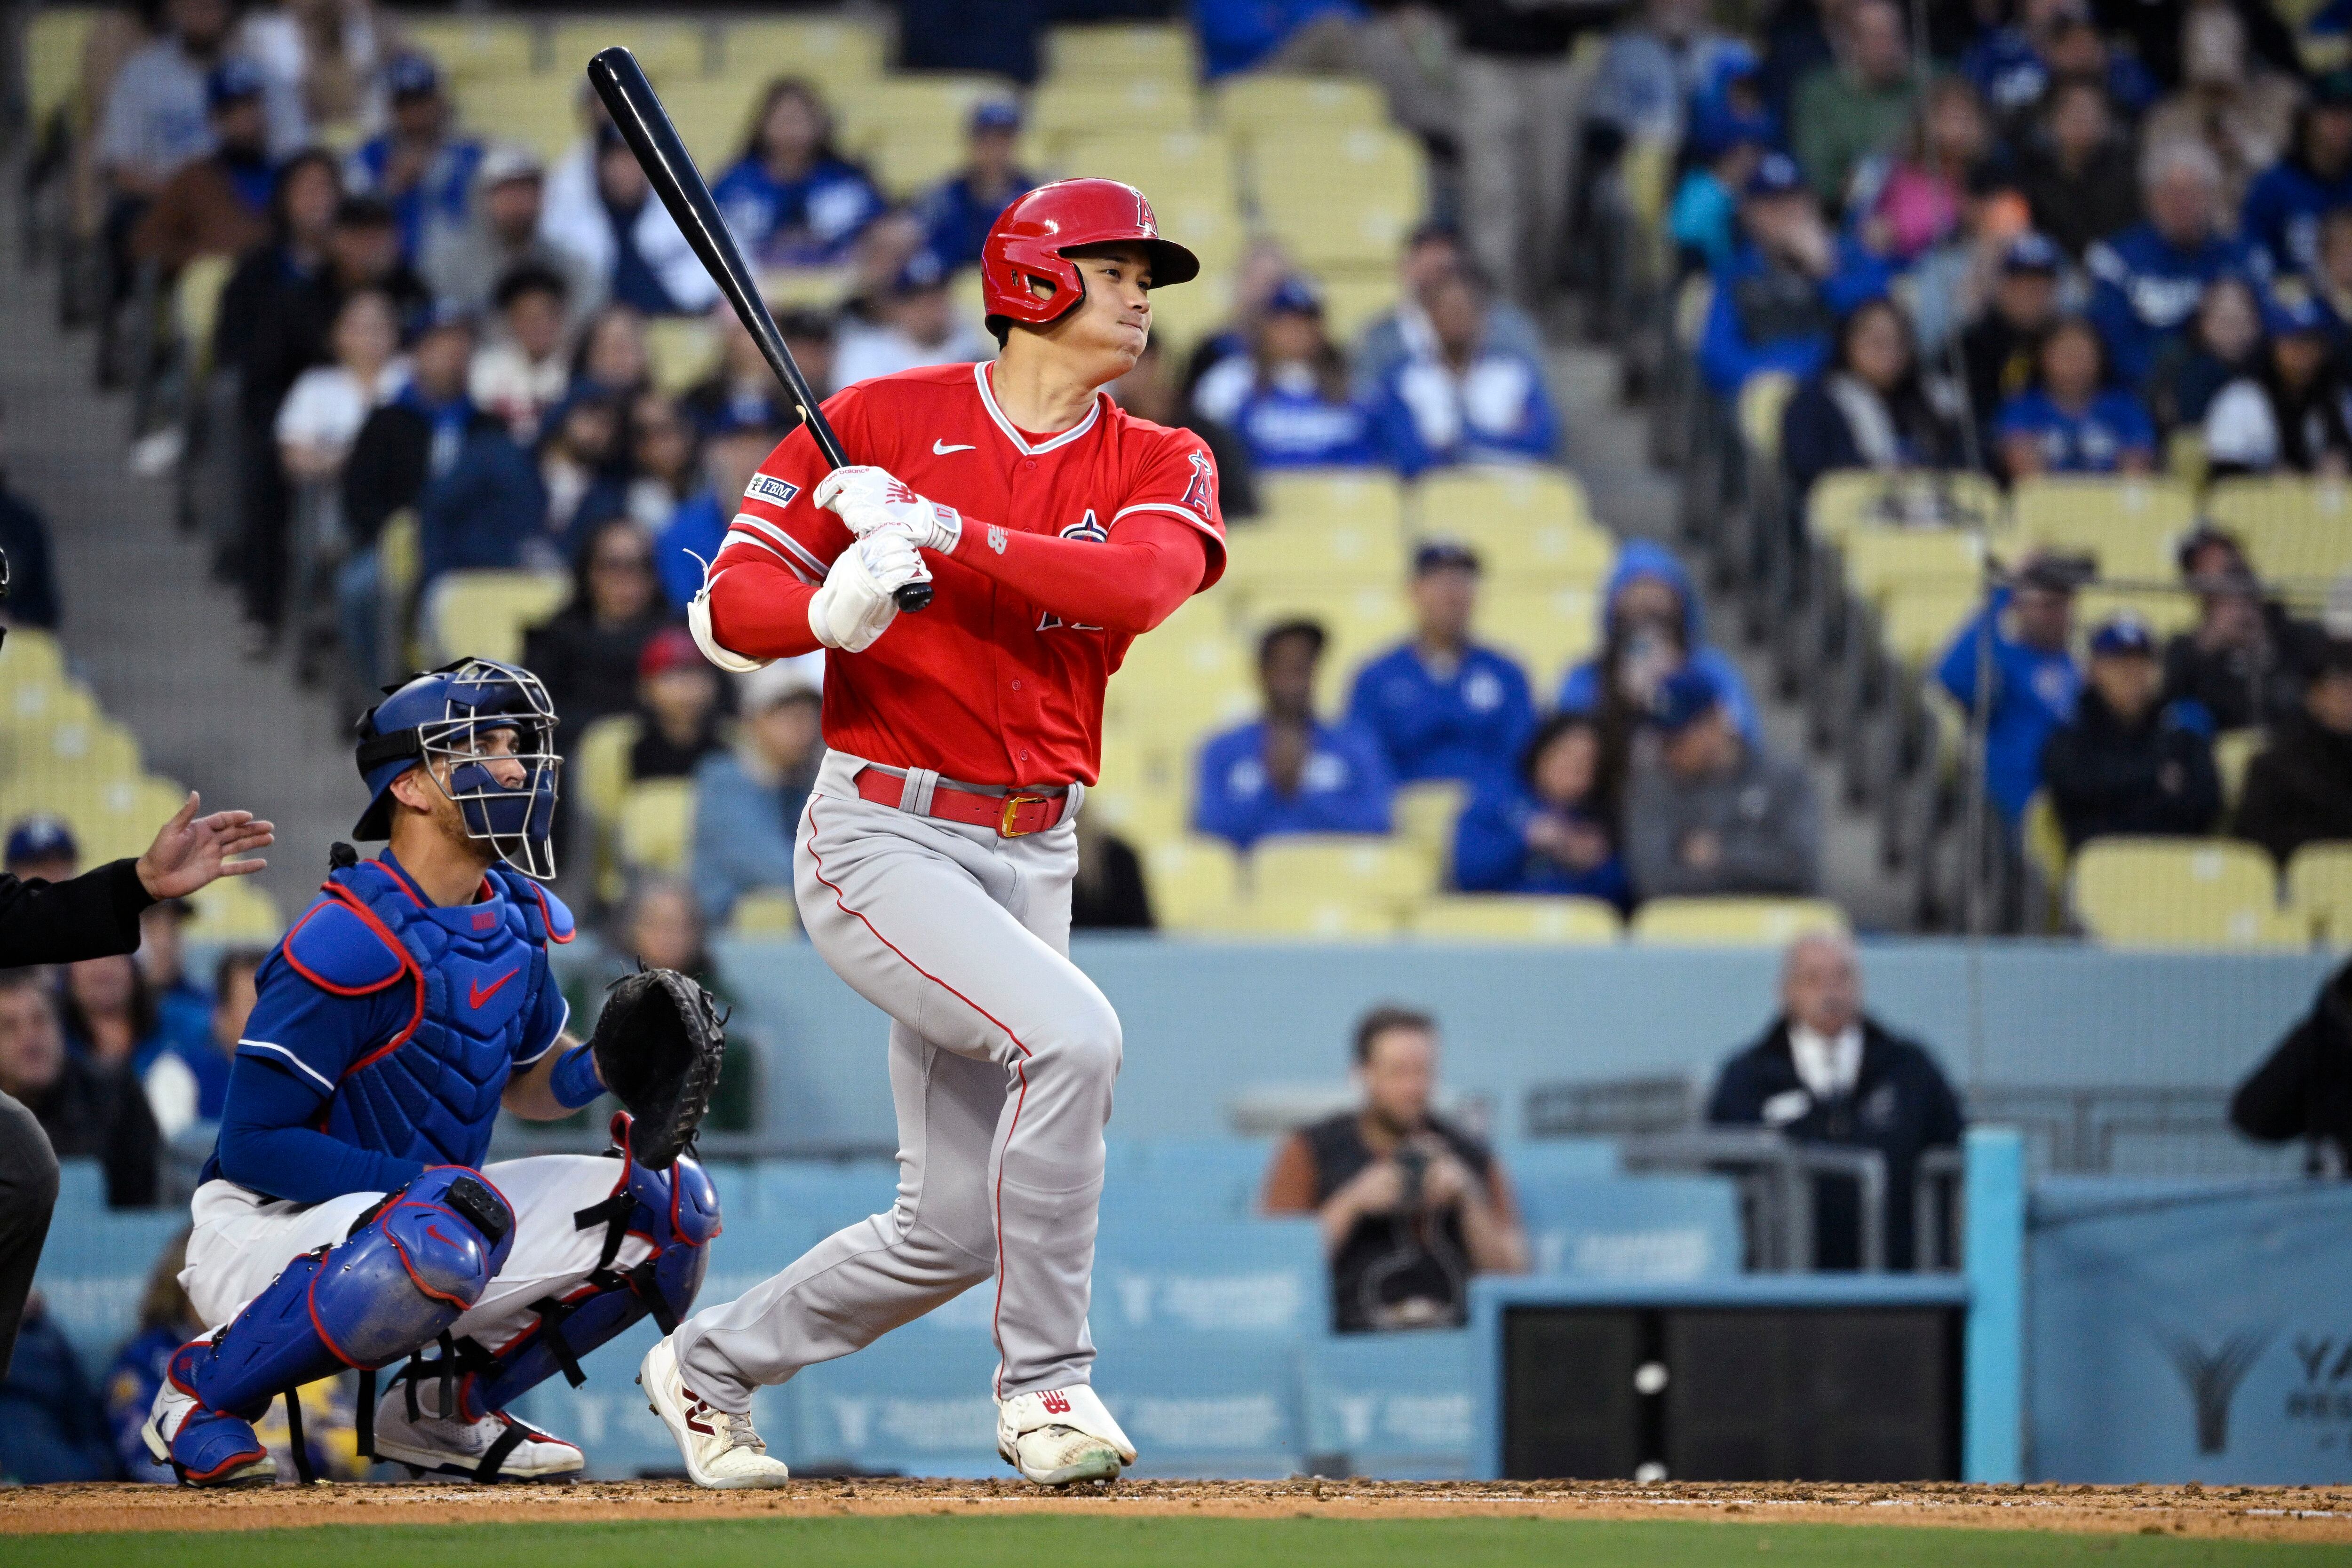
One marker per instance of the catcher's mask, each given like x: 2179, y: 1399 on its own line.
x: 444, y: 717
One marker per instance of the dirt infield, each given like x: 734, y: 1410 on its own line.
x: 2298, y: 1514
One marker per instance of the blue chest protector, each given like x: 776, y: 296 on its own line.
x: 472, y: 970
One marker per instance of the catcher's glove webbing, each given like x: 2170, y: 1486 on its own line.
x: 657, y: 1047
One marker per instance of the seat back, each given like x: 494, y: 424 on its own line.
x: 1732, y: 922
x: 2319, y: 891
x: 2180, y: 894
x: 1515, y: 917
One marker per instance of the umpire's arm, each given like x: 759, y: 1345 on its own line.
x: 97, y: 914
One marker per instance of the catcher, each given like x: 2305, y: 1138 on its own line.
x: 345, y: 1219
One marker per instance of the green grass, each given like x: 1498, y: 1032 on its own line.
x: 1032, y: 1541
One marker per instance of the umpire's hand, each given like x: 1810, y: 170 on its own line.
x: 192, y: 852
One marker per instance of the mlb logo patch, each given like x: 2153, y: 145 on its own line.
x: 769, y: 488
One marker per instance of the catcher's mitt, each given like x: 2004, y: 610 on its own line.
x: 657, y: 1047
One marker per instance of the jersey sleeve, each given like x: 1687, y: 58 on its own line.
x: 1177, y: 478
x: 312, y: 1032
x: 779, y: 516
x: 550, y: 1016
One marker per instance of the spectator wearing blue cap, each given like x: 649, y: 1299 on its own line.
x: 2287, y: 201
x: 1463, y: 399
x: 2071, y: 421
x: 2034, y: 677
x: 2289, y: 416
x: 1704, y: 217
x: 1867, y: 408
x: 1442, y: 706
x: 218, y: 204
x: 155, y: 118
x: 1288, y: 399
x: 1784, y: 287
x: 2147, y: 280
x: 43, y: 846
x: 2076, y: 170
x: 791, y: 199
x: 916, y: 325
x: 2128, y: 761
x: 958, y: 213
x: 1707, y: 811
x: 1546, y: 828
x: 417, y: 163
x: 1287, y: 771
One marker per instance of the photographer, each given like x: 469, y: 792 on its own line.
x: 1410, y: 1206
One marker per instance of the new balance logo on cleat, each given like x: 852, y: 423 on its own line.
x: 1057, y: 1404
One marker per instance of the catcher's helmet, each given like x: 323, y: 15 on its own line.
x: 1032, y: 239
x: 441, y: 715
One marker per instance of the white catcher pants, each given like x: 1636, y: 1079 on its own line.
x: 1002, y: 1059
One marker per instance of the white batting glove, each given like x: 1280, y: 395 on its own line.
x: 870, y: 499
x: 855, y: 605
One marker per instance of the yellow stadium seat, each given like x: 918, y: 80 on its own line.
x: 2165, y: 610
x: 1880, y: 559
x: 1338, y: 197
x: 2293, y: 529
x: 30, y: 713
x: 1510, y: 917
x: 1192, y: 882
x: 1763, y: 398
x: 1165, y: 162
x: 835, y: 50
x: 1547, y: 629
x: 542, y: 113
x: 1368, y: 869
x: 1067, y: 107
x: 2319, y: 891
x: 1323, y: 551
x: 1353, y: 495
x: 1192, y: 675
x: 1447, y: 501
x: 657, y: 825
x: 1267, y: 105
x: 1355, y: 296
x: 2185, y: 457
x: 115, y: 815
x: 195, y: 305
x: 1325, y: 915
x: 30, y: 657
x: 600, y: 764
x: 1424, y: 814
x: 2232, y: 749
x: 2129, y: 525
x: 1121, y: 51
x: 55, y: 40
x: 234, y: 911
x: 713, y: 118
x: 1732, y: 922
x: 1360, y: 621
x: 51, y: 764
x: 940, y: 100
x: 2180, y: 893
x: 483, y: 614
x: 1518, y: 546
x: 671, y: 49
x: 479, y: 49
x: 765, y: 912
x: 1918, y: 622
x: 2044, y: 839
x: 683, y: 348
x: 1849, y: 499
x: 908, y: 161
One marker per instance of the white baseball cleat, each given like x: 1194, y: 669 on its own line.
x: 1055, y: 1437
x: 721, y: 1451
x: 492, y: 1448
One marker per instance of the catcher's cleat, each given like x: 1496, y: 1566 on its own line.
x: 203, y: 1447
x: 721, y: 1451
x: 1056, y: 1437
x: 486, y: 1448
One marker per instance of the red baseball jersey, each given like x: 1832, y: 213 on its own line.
x: 982, y: 687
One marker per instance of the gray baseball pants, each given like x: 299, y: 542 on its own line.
x: 1002, y: 1060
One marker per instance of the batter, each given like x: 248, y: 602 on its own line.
x: 934, y: 858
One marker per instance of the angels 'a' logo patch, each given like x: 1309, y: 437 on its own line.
x: 769, y: 488
x: 1087, y: 529
x: 1200, y: 494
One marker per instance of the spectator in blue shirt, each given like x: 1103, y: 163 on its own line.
x: 1441, y: 705
x: 1789, y: 280
x: 2287, y: 202
x: 426, y: 173
x: 1703, y: 218
x: 791, y: 199
x: 187, y: 1082
x: 748, y: 798
x: 1287, y: 772
x: 1651, y: 626
x: 2070, y: 422
x: 731, y: 455
x: 1463, y: 399
x: 1236, y: 35
x: 2035, y: 680
x: 1545, y: 829
x: 1431, y: 252
x: 1287, y: 398
x: 957, y: 214
x: 2148, y: 279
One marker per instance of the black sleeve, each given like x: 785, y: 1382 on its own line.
x: 131, y: 1146
x: 1942, y: 1125
x: 383, y: 473
x: 2197, y: 805
x: 32, y: 580
x: 92, y: 916
x: 2263, y: 816
x: 1736, y: 1102
x: 2273, y: 1104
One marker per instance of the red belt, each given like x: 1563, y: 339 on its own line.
x: 1011, y: 813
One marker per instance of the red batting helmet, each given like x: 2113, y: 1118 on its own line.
x: 1034, y: 236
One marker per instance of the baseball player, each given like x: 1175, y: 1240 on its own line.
x: 934, y: 858
x: 345, y: 1218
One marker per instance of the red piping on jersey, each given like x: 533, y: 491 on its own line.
x: 1021, y: 1068
x: 352, y: 902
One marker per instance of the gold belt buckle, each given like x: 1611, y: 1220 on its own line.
x: 1013, y: 803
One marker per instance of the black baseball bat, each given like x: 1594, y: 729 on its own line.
x: 646, y: 126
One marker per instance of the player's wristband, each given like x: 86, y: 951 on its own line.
x: 574, y: 1081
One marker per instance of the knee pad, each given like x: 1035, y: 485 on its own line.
x: 676, y: 1210
x: 403, y: 1274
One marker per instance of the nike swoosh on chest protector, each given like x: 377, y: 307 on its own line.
x: 475, y: 996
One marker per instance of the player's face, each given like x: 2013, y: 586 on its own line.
x: 1108, y: 331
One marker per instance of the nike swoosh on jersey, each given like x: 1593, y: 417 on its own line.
x: 940, y: 448
x: 477, y: 996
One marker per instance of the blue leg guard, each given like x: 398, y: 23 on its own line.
x: 402, y: 1275
x: 678, y: 1211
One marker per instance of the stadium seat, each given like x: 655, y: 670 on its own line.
x: 657, y: 825
x: 2232, y: 751
x: 1424, y: 813
x: 1918, y: 622
x: 479, y: 49
x: 2319, y: 891
x: 1366, y: 869
x: 542, y: 113
x: 2044, y: 840
x: 1190, y: 675
x: 1546, y: 629
x: 1194, y: 882
x: 683, y: 348
x: 1144, y: 788
x: 1266, y: 105
x: 1317, y: 552
x: 1763, y: 399
x: 1515, y: 918
x: 765, y: 912
x: 1365, y: 496
x: 839, y: 51
x: 1529, y: 526
x: 713, y: 117
x: 1121, y: 51
x: 1395, y: 1405
x: 1879, y: 559
x: 941, y: 99
x: 907, y: 160
x: 600, y: 764
x: 1732, y: 922
x: 55, y: 39
x: 1849, y: 499
x: 115, y: 815
x: 234, y: 911
x: 30, y: 657
x: 2293, y: 529
x: 671, y: 49
x: 34, y: 706
x: 1337, y: 196
x: 2129, y: 525
x: 483, y: 614
x: 1319, y: 914
x: 2181, y: 893
x: 1076, y: 106
x: 1189, y: 174
x: 195, y: 307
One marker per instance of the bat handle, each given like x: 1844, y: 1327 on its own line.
x: 912, y: 596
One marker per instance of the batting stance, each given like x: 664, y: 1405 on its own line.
x: 935, y: 856
x: 345, y: 1219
